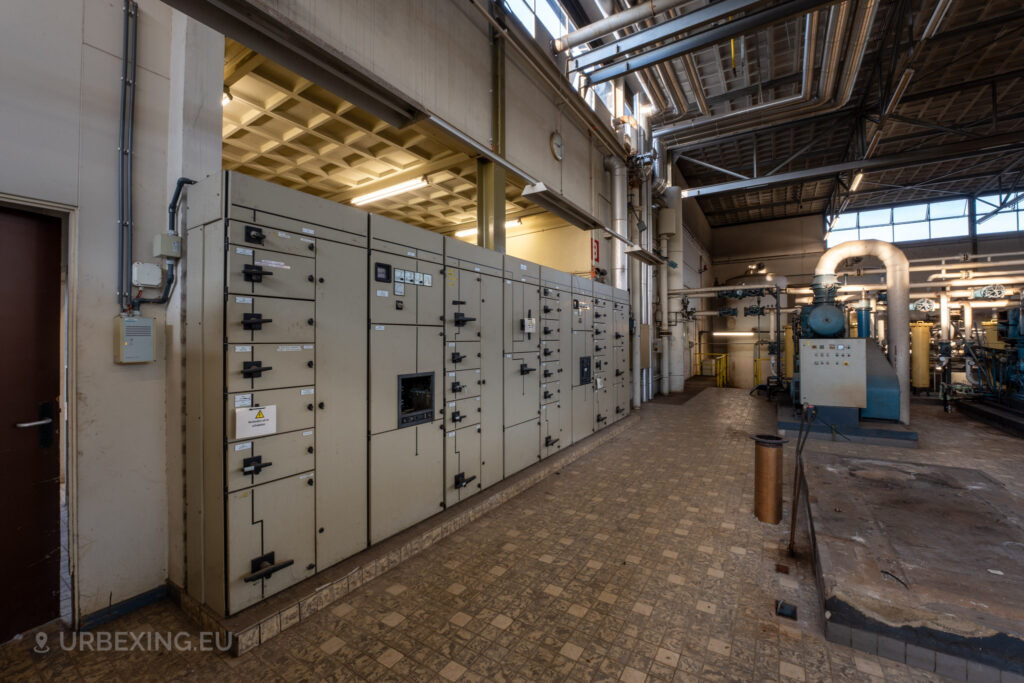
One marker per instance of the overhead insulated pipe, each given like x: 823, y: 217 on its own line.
x: 614, y: 22
x: 897, y: 277
x: 617, y: 168
x: 668, y: 225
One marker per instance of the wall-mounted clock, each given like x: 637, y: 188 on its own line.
x: 557, y: 145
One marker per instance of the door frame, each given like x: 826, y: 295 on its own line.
x: 68, y: 216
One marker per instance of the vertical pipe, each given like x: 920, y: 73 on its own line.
x: 663, y: 331
x: 790, y: 352
x: 635, y: 303
x: 944, y: 316
x: 617, y: 168
x: 968, y: 320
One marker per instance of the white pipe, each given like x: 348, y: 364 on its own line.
x: 898, y: 280
x: 968, y: 314
x: 613, y: 22
x: 636, y: 303
x: 971, y: 274
x: 668, y: 225
x: 944, y: 317
x: 617, y: 168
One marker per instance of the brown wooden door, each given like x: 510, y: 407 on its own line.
x: 30, y: 300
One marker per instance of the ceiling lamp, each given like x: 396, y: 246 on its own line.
x: 468, y: 232
x: 225, y: 97
x: 377, y: 195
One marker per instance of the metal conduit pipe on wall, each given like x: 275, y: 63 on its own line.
x: 635, y: 303
x: 898, y: 286
x: 668, y: 225
x: 617, y: 168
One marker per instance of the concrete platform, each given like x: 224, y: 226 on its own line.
x: 919, y: 563
x: 871, y: 433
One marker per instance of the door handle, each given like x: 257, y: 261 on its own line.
x: 44, y: 423
x: 34, y: 423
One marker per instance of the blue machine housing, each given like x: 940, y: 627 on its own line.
x: 883, y: 388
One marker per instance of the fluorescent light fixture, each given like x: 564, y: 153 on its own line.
x: 733, y: 334
x: 225, y: 97
x: 514, y: 223
x: 371, y: 197
x: 856, y: 181
x: 468, y: 232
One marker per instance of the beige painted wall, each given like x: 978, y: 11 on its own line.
x: 60, y: 66
x: 566, y: 248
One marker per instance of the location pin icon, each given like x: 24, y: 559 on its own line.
x: 41, y: 638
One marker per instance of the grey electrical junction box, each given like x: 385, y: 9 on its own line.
x: 833, y: 372
x: 134, y: 340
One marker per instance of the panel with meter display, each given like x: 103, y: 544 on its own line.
x: 833, y: 372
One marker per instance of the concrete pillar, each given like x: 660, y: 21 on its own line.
x: 194, y: 125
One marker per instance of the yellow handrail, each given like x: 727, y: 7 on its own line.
x: 720, y: 367
x: 759, y: 374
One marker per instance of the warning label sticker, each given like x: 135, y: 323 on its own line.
x: 255, y: 421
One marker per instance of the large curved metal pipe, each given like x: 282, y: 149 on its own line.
x: 613, y: 22
x: 897, y: 277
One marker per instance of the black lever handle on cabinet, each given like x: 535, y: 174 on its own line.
x: 618, y: 335
x: 548, y: 330
x: 618, y: 409
x: 548, y: 352
x: 548, y: 394
x: 254, y: 321
x: 456, y: 302
x: 264, y: 566
x: 254, y: 368
x: 462, y: 481
x: 550, y: 442
x: 254, y: 235
x: 601, y: 418
x: 254, y: 273
x: 457, y: 387
x: 618, y: 373
x: 461, y: 320
x: 457, y: 357
x: 547, y: 373
x: 254, y: 465
x: 547, y: 309
x: 457, y: 416
x: 524, y: 370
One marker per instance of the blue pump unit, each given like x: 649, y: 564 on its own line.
x: 825, y: 319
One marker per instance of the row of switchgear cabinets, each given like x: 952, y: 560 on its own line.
x: 348, y: 376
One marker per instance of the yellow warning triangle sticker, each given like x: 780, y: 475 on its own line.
x: 259, y: 414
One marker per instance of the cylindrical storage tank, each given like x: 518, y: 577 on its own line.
x: 768, y: 478
x: 863, y: 311
x: 790, y: 352
x: 991, y: 331
x: 920, y: 343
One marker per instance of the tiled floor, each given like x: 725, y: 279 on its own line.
x: 641, y: 561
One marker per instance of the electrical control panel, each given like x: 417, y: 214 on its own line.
x: 833, y: 372
x: 349, y: 376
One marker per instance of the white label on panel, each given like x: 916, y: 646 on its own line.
x: 243, y: 299
x: 309, y: 231
x: 451, y: 405
x: 243, y: 446
x: 242, y: 400
x: 308, y: 432
x: 243, y: 251
x: 307, y: 347
x: 273, y: 264
x: 258, y: 421
x: 451, y: 434
x: 289, y: 348
x: 380, y: 328
x: 508, y: 355
x: 382, y: 292
x: 411, y: 253
x: 451, y: 374
x: 428, y: 280
x: 243, y: 349
x: 308, y: 391
x: 522, y: 266
x: 477, y: 269
x: 305, y: 476
x: 451, y: 344
x: 306, y: 239
x: 284, y: 235
x: 508, y: 282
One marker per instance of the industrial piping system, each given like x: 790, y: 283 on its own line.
x: 668, y: 224
x: 897, y: 276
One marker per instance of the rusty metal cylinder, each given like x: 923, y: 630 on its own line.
x: 920, y: 342
x: 768, y: 477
